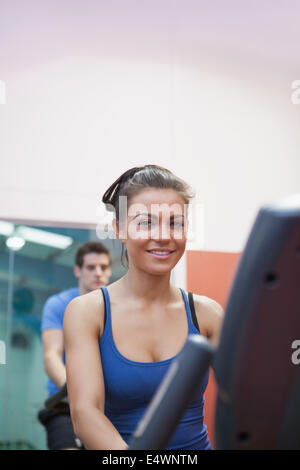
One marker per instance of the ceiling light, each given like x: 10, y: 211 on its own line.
x: 15, y: 243
x: 6, y: 228
x: 42, y: 237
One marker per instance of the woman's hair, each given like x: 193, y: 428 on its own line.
x: 137, y: 179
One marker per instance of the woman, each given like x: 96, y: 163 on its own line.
x: 120, y: 343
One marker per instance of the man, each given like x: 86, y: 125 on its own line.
x: 92, y: 269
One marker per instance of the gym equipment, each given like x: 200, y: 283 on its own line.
x: 174, y: 394
x: 258, y: 405
x: 59, y: 401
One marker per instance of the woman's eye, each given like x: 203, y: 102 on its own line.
x: 145, y: 223
x: 150, y: 223
x: 177, y: 224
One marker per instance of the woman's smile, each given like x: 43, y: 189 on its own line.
x: 161, y: 254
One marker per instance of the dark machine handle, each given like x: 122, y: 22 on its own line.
x: 173, y: 395
x: 58, y: 400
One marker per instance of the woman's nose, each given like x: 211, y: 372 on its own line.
x: 161, y: 232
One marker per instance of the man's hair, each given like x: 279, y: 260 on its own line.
x: 90, y: 247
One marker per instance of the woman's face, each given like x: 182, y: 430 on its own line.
x: 155, y: 235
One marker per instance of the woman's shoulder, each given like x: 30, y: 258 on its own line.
x: 210, y: 316
x: 86, y: 310
x: 207, y: 304
x: 93, y: 298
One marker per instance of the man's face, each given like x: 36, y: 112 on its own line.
x: 95, y: 272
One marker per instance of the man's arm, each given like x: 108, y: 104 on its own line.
x: 53, y: 346
x: 53, y: 343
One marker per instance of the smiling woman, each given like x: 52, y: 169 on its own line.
x: 129, y: 337
x: 155, y: 226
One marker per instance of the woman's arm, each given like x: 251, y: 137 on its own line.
x: 85, y: 381
x: 210, y: 317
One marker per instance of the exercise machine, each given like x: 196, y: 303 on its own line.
x: 256, y: 363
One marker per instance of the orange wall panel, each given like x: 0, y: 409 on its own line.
x: 211, y: 274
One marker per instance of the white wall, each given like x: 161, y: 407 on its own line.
x: 95, y: 88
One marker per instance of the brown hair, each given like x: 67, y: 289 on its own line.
x: 90, y: 247
x: 139, y: 178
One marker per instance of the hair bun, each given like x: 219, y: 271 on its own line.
x: 109, y: 197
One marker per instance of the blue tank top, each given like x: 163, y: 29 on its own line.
x: 130, y: 386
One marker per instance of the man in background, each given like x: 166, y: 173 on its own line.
x: 92, y: 269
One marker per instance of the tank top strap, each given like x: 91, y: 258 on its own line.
x: 107, y: 313
x: 107, y: 317
x: 191, y: 327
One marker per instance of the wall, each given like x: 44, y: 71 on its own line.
x: 211, y: 274
x: 203, y: 88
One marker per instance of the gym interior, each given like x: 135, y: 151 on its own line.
x: 210, y: 90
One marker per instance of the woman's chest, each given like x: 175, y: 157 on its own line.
x: 149, y: 336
